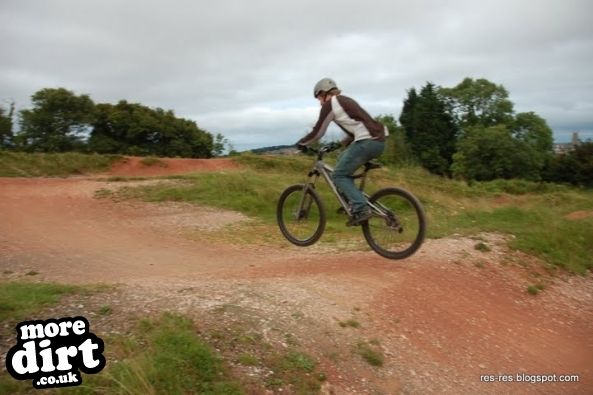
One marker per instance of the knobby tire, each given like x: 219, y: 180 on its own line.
x: 411, y: 212
x: 289, y: 220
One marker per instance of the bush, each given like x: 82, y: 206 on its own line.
x: 575, y: 167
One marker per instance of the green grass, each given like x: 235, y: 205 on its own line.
x: 293, y: 369
x: 105, y: 310
x: 371, y: 353
x: 20, y: 164
x: 164, y: 355
x: 247, y: 359
x: 351, y: 323
x: 535, y: 289
x: 20, y: 300
x: 248, y: 192
x: 481, y: 246
x: 152, y: 161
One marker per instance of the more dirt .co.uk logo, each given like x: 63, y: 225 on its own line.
x: 51, y: 352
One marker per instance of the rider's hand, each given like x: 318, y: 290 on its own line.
x: 334, y: 146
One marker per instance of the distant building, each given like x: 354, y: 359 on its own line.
x: 563, y: 148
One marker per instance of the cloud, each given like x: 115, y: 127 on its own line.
x: 246, y: 69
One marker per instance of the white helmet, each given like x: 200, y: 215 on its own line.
x: 324, y: 85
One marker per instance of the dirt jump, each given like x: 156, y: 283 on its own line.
x: 449, y: 320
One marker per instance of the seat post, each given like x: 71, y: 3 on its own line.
x: 363, y: 176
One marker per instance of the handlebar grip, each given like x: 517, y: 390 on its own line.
x: 302, y: 148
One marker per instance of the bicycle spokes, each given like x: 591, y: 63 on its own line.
x: 398, y: 226
x: 300, y: 215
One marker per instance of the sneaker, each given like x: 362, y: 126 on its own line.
x: 360, y: 217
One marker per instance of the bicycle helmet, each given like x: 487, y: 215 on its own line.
x: 324, y: 85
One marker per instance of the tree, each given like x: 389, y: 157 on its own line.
x: 533, y: 130
x: 494, y: 142
x: 430, y: 129
x: 574, y: 167
x: 479, y: 102
x: 488, y: 153
x: 129, y: 128
x: 409, y: 115
x: 6, y: 135
x: 220, y: 143
x: 397, y: 150
x: 59, y: 121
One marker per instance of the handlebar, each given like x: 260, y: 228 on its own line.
x: 323, y: 150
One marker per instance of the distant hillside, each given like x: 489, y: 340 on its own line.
x: 276, y: 149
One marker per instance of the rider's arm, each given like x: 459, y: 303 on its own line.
x: 326, y: 115
x: 348, y: 140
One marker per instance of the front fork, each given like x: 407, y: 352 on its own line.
x: 306, y: 199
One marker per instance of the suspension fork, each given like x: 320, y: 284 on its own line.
x: 306, y: 199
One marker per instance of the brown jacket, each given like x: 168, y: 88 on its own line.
x: 350, y: 117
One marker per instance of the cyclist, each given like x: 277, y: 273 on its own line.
x: 365, y: 140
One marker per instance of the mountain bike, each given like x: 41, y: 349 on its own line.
x: 395, y: 231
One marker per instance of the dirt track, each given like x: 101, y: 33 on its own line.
x: 443, y: 318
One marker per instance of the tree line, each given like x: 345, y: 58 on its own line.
x: 62, y: 121
x: 471, y: 131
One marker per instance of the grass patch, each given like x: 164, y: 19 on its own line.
x: 20, y: 300
x: 149, y: 161
x: 290, y: 370
x: 123, y: 178
x: 371, y: 353
x: 349, y: 324
x: 481, y: 246
x: 20, y: 164
x: 168, y: 355
x: 105, y: 310
x: 163, y: 356
x: 247, y: 359
x: 246, y: 192
x: 535, y: 289
x: 293, y: 369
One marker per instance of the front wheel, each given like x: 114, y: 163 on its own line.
x: 300, y: 215
x: 398, y: 226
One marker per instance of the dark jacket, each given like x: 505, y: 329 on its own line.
x: 350, y: 117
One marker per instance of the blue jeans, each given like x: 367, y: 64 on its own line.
x: 356, y: 155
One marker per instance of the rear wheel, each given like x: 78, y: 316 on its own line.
x: 399, y: 230
x: 300, y: 215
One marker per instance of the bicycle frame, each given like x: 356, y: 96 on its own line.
x: 322, y: 169
x: 325, y: 171
x: 395, y: 230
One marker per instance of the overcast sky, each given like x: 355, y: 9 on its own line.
x: 246, y: 69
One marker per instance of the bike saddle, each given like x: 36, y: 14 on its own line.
x: 372, y: 165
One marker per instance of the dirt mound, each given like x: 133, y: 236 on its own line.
x: 145, y: 167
